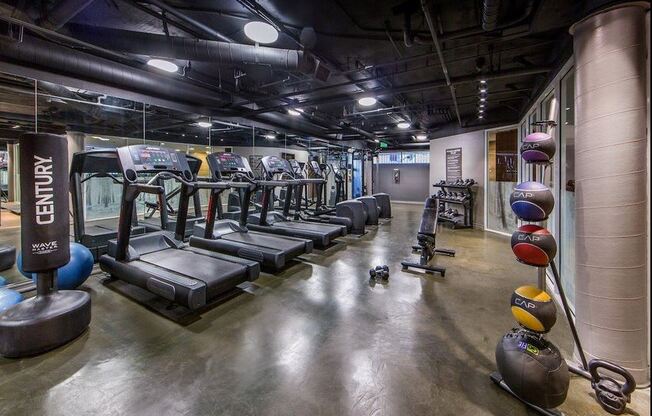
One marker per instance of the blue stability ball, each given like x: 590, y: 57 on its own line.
x: 73, y: 274
x: 532, y: 201
x: 9, y: 298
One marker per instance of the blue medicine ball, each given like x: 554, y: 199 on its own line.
x: 532, y: 201
x: 9, y: 298
x: 73, y: 274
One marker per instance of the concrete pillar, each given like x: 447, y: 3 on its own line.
x: 75, y: 143
x: 13, y: 192
x: 611, y: 164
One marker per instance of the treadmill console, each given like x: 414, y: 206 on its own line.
x: 274, y: 165
x: 295, y: 166
x: 314, y: 165
x: 224, y: 164
x: 137, y: 159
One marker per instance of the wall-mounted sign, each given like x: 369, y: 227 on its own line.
x: 397, y: 176
x: 453, y: 164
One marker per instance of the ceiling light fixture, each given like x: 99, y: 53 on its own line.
x: 270, y: 136
x: 483, y: 90
x: 163, y: 65
x: 162, y: 144
x: 480, y: 116
x: 294, y: 112
x: 204, y: 124
x: 483, y: 81
x: 421, y: 137
x: 377, y: 141
x: 367, y: 101
x: 261, y: 32
x: 16, y: 126
x: 483, y: 99
x: 481, y: 110
x: 403, y: 125
x: 104, y: 139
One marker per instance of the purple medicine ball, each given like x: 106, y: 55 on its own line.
x: 538, y: 148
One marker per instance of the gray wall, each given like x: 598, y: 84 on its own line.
x: 473, y: 161
x: 414, y: 184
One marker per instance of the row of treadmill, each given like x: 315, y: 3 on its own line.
x: 192, y: 261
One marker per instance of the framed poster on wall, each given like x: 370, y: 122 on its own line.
x: 453, y: 164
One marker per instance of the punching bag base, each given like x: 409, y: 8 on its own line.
x: 43, y: 323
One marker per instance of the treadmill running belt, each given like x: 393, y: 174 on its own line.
x: 219, y: 275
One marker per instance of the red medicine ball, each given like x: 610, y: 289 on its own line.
x: 534, y: 245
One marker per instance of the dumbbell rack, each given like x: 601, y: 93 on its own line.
x: 466, y: 220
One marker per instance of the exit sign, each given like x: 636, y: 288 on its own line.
x: 383, y: 145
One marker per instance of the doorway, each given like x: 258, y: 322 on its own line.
x: 502, y: 176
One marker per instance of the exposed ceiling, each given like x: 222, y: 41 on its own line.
x: 329, y: 54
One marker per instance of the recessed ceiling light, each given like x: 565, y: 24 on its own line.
x: 183, y: 134
x: 163, y: 65
x: 295, y: 112
x: 483, y: 81
x: 367, y: 101
x: 403, y: 125
x: 481, y: 110
x: 480, y: 116
x: 483, y: 90
x: 204, y: 124
x: 270, y: 136
x: 16, y: 126
x: 483, y: 99
x: 377, y: 141
x: 162, y: 144
x: 261, y: 32
x: 104, y: 139
x: 421, y: 137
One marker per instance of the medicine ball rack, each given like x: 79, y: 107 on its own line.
x: 462, y: 221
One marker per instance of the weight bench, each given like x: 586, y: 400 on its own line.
x: 426, y: 239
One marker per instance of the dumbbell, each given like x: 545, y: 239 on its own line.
x: 379, y: 273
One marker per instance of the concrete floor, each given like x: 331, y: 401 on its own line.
x: 317, y: 339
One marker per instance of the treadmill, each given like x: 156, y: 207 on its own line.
x: 160, y: 262
x: 233, y: 237
x: 168, y: 218
x: 86, y: 165
x: 270, y: 221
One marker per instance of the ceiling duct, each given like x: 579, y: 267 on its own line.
x: 174, y: 47
x: 64, y: 61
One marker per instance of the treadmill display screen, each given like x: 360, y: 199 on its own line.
x: 275, y: 164
x: 315, y: 167
x: 296, y: 167
x: 154, y: 158
x: 230, y: 162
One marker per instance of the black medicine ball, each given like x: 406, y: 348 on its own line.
x: 533, y: 368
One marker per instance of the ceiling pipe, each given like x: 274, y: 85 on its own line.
x: 174, y: 47
x: 62, y: 13
x: 490, y: 12
x: 190, y: 21
x: 433, y: 32
x: 64, y: 61
x: 419, y: 86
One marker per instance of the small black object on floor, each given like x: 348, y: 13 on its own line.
x: 379, y: 274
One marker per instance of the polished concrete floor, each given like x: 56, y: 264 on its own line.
x: 317, y: 339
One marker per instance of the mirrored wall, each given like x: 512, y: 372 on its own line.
x: 93, y: 120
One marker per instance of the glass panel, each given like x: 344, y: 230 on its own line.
x: 550, y: 111
x: 16, y: 117
x: 502, y: 175
x: 567, y: 191
x: 91, y: 120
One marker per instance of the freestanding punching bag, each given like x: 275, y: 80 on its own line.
x: 51, y: 318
